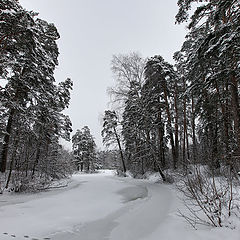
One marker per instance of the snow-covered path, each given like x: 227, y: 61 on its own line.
x: 96, y: 206
x: 138, y: 213
x: 100, y: 207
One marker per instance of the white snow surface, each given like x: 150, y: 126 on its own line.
x: 101, y: 206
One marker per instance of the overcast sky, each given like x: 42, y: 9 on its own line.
x: 92, y: 31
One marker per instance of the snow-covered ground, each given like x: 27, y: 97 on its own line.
x: 101, y: 207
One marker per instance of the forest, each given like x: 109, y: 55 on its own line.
x: 32, y: 103
x: 180, y: 120
x: 171, y: 116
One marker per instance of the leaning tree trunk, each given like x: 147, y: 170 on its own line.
x: 120, y: 149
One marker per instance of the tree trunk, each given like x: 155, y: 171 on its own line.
x: 161, y: 173
x: 236, y: 110
x: 184, y: 147
x: 16, y: 141
x: 225, y: 113
x: 176, y: 121
x: 6, y: 141
x: 120, y: 149
x: 184, y: 130
x: 161, y: 141
x: 154, y: 158
x: 194, y: 132
x: 188, y: 152
x: 36, y: 159
x: 170, y: 127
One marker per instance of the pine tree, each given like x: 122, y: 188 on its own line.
x: 84, y: 149
x: 161, y: 77
x: 31, y: 45
x: 31, y: 118
x: 214, y: 46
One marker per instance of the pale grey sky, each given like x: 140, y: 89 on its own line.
x: 92, y: 31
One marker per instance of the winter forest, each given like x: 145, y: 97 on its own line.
x: 171, y: 134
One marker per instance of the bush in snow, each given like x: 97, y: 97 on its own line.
x: 210, y: 200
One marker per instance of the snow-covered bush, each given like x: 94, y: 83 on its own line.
x: 56, y: 166
x: 210, y: 200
